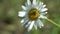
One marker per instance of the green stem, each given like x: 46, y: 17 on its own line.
x: 53, y: 22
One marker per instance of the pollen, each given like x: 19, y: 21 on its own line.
x: 33, y: 14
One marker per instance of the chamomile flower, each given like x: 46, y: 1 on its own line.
x: 32, y: 12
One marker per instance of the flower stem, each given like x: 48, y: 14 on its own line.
x: 53, y: 22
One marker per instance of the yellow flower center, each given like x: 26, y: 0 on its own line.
x: 33, y: 14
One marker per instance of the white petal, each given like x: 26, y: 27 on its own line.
x: 24, y: 21
x: 44, y: 9
x: 40, y: 6
x: 43, y: 13
x: 34, y: 2
x: 28, y: 2
x: 35, y: 26
x: 41, y: 16
x: 44, y: 6
x: 39, y: 23
x: 28, y: 24
x: 21, y: 13
x: 24, y: 7
x: 31, y: 25
x: 40, y: 3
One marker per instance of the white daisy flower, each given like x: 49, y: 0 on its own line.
x: 32, y: 13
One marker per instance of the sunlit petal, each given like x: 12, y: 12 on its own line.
x: 44, y: 6
x: 44, y: 9
x: 24, y: 8
x: 28, y: 24
x: 24, y: 21
x: 21, y: 13
x: 41, y: 16
x: 31, y: 25
x: 35, y: 26
x: 34, y: 2
x: 28, y: 2
x: 39, y: 23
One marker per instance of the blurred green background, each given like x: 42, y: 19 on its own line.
x: 10, y: 22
